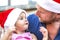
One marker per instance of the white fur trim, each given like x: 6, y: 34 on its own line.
x: 49, y: 5
x: 12, y: 17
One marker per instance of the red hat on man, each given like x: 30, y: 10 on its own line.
x: 50, y: 5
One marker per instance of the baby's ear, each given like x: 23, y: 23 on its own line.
x: 13, y: 26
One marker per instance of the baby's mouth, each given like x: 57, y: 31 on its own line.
x: 26, y: 23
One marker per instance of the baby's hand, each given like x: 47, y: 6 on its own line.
x: 10, y: 29
x: 44, y: 32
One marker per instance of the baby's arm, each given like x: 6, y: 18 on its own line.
x: 44, y: 32
x: 7, y: 34
x: 33, y: 37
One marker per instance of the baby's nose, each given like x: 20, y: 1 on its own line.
x: 26, y: 20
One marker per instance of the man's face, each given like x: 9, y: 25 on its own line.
x: 45, y: 16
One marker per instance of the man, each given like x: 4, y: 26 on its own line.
x: 47, y: 15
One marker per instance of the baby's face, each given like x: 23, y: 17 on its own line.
x: 22, y: 22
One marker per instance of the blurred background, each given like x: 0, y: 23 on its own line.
x: 28, y: 5
x: 23, y: 4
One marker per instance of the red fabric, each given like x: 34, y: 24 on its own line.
x: 58, y: 1
x: 3, y: 16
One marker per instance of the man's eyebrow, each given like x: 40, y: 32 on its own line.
x: 55, y: 13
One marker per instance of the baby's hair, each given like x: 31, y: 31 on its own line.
x: 23, y: 12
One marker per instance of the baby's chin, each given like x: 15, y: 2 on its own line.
x: 26, y: 26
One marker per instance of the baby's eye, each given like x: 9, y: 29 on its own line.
x: 21, y: 18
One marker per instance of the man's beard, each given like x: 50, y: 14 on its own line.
x: 49, y: 22
x: 54, y: 20
x: 58, y: 19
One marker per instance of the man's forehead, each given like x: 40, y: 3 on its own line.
x: 42, y: 9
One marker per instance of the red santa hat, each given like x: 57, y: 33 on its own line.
x: 50, y: 5
x: 9, y: 17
